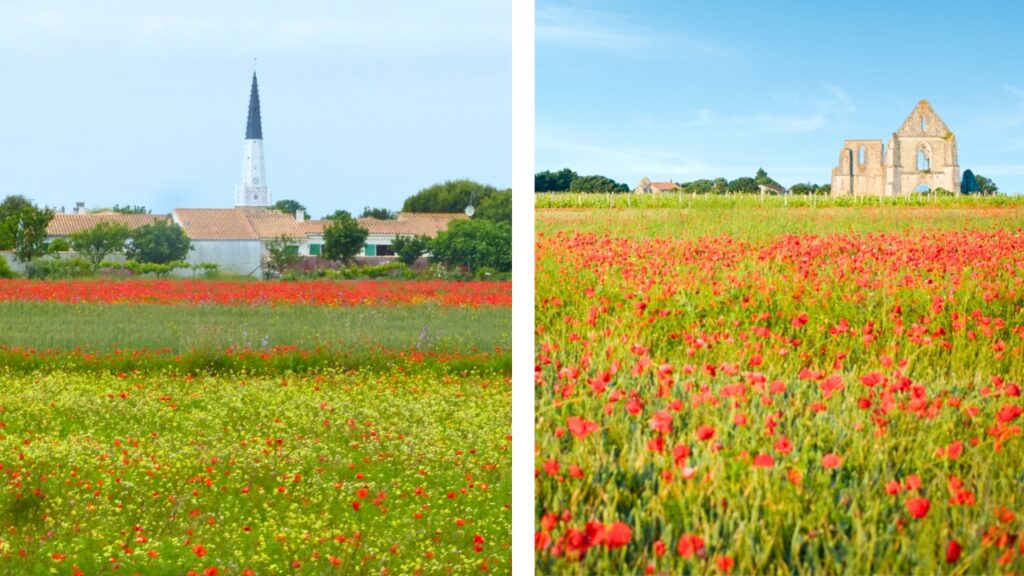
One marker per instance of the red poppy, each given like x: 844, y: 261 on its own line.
x: 831, y: 460
x: 579, y: 427
x: 705, y: 432
x: 953, y: 551
x: 764, y: 461
x: 918, y: 507
x: 618, y: 535
x: 783, y: 445
x: 690, y: 545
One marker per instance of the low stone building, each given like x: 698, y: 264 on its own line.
x: 921, y: 157
x: 647, y: 187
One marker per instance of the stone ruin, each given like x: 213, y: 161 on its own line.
x: 921, y: 157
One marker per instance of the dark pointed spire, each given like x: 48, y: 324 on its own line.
x: 253, y: 128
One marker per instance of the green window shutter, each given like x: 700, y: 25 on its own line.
x: 292, y: 249
x: 314, y: 249
x: 370, y: 250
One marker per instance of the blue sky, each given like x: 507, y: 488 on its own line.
x: 688, y: 90
x: 142, y: 102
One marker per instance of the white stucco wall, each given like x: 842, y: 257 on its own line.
x: 253, y: 189
x: 233, y: 256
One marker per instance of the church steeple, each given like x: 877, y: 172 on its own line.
x: 253, y: 128
x: 253, y: 189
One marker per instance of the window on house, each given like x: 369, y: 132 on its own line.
x: 314, y: 249
x: 370, y: 250
x: 924, y: 125
x: 860, y: 155
x: 384, y: 250
x: 291, y: 249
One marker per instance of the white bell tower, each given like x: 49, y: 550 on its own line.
x: 253, y: 189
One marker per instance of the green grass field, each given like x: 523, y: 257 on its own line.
x: 355, y: 330
x: 747, y: 218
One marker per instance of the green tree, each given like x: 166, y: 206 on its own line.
x: 338, y: 214
x: 25, y: 232
x: 474, y: 244
x: 290, y: 207
x: 160, y: 242
x: 378, y: 213
x: 451, y: 196
x: 969, y: 184
x: 496, y: 208
x: 343, y: 239
x: 762, y: 178
x: 100, y: 241
x: 703, y: 187
x: 122, y: 209
x: 805, y: 189
x: 987, y: 186
x: 410, y: 248
x: 743, y: 185
x: 282, y: 252
x: 12, y: 205
x: 597, y: 184
x: 10, y: 212
x: 134, y: 209
x: 560, y: 181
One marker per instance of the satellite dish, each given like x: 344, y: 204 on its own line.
x: 470, y: 210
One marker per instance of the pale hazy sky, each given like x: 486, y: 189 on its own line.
x: 364, y: 103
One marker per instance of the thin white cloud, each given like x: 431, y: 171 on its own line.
x: 842, y: 103
x: 594, y: 29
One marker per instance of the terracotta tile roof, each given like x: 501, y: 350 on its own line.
x: 68, y: 224
x: 313, y: 227
x: 412, y: 223
x: 215, y: 223
x: 262, y: 224
x: 407, y: 224
x: 273, y: 223
x: 663, y: 186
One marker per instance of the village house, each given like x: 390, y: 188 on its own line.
x: 647, y: 187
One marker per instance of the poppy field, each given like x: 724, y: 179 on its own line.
x: 778, y: 399
x: 255, y: 428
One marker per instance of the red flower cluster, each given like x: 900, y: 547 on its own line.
x: 317, y: 293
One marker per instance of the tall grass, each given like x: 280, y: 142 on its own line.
x: 746, y: 218
x: 179, y: 329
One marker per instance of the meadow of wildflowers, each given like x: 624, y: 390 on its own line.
x: 777, y: 396
x: 255, y: 428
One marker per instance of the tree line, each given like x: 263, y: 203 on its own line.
x: 566, y: 180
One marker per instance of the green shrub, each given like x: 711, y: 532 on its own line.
x: 57, y: 269
x: 58, y: 245
x: 5, y: 269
